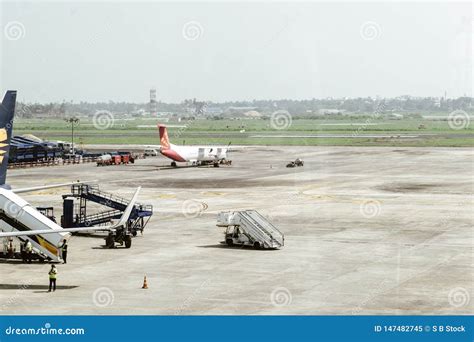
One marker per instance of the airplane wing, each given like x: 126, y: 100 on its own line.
x: 128, y: 210
x: 51, y: 231
x: 43, y: 187
x: 120, y: 223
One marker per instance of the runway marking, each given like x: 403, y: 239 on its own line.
x: 166, y: 196
x: 404, y: 245
x: 213, y: 193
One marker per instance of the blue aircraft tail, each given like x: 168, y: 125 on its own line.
x: 7, y: 111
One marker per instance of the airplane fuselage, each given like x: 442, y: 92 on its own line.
x: 195, y: 153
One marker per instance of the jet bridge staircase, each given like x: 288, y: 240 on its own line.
x: 17, y: 215
x: 84, y: 193
x: 42, y: 250
x: 259, y: 228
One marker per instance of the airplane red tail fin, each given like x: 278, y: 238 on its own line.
x: 164, y: 140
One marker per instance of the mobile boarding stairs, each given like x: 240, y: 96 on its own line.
x: 77, y: 215
x: 249, y: 228
x: 16, y: 214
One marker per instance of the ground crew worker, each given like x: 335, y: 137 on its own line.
x: 11, y: 249
x: 29, y: 250
x: 53, y: 273
x: 64, y: 252
x: 23, y: 251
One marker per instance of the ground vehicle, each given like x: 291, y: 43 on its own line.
x: 121, y: 236
x: 115, y: 159
x: 48, y: 212
x: 103, y: 160
x: 151, y: 152
x: 249, y: 228
x: 236, y: 236
x: 297, y: 162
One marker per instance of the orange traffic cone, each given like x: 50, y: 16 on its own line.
x: 145, y: 284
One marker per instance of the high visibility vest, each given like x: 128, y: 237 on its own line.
x: 28, y: 247
x: 53, y: 273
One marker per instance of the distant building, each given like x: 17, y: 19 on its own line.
x: 395, y: 116
x: 324, y: 111
x: 213, y: 110
x: 234, y: 109
x: 253, y: 114
x: 153, y: 103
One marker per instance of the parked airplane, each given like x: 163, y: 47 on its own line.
x: 197, y: 155
x: 17, y: 217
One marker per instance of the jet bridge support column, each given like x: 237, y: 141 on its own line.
x: 67, y: 220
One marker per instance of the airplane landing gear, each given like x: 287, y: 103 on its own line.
x: 173, y: 164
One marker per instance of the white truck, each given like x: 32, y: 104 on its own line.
x: 151, y: 152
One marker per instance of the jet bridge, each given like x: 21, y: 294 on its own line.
x: 248, y: 227
x: 16, y: 214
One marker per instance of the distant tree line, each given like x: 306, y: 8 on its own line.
x: 295, y: 107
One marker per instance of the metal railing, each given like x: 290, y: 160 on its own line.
x: 260, y: 229
x: 99, y: 218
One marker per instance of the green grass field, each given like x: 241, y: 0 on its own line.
x: 247, y: 132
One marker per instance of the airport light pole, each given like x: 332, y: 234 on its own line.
x: 73, y: 121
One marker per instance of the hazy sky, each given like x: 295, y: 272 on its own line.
x: 100, y: 51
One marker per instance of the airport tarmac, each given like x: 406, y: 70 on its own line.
x: 368, y: 230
